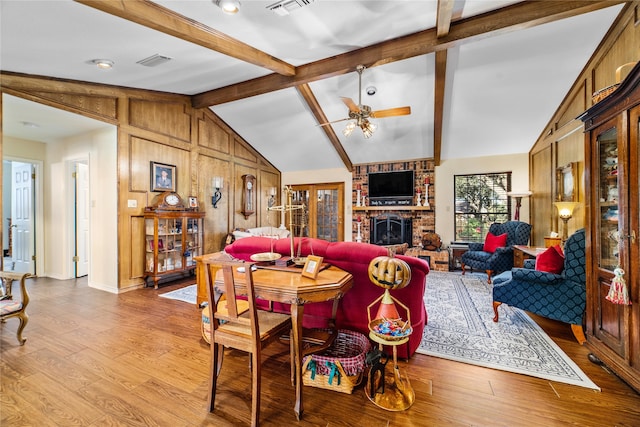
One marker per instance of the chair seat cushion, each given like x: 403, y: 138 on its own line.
x: 493, y: 242
x: 502, y: 277
x: 477, y: 256
x: 8, y: 307
x: 551, y: 260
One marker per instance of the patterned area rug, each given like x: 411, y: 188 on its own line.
x: 186, y: 294
x: 461, y: 328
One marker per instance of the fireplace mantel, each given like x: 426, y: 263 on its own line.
x: 391, y: 208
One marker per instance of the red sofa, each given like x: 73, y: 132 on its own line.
x: 354, y: 258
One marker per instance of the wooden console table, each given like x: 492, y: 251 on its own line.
x: 522, y: 252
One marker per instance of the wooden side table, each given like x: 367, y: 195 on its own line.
x: 457, y: 249
x: 522, y: 252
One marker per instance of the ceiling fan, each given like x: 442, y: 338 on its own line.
x: 360, y: 114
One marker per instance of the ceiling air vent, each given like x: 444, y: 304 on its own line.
x: 284, y: 7
x: 154, y: 60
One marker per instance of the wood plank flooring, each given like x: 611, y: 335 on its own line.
x: 97, y: 359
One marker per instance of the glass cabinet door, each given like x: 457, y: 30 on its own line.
x: 150, y: 265
x: 193, y: 240
x: 607, y: 200
x: 169, y: 244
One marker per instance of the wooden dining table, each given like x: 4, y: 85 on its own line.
x: 287, y: 285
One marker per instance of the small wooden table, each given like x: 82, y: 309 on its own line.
x: 294, y: 289
x: 522, y: 252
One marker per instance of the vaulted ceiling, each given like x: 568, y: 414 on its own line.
x: 481, y: 77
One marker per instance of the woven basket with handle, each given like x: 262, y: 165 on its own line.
x: 603, y: 93
x: 340, y: 368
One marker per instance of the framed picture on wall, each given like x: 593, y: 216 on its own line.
x: 163, y: 177
x: 567, y: 183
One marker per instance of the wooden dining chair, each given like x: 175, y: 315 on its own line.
x: 250, y: 330
x: 14, y: 308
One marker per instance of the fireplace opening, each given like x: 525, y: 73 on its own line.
x: 391, y: 230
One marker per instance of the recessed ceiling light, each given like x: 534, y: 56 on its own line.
x: 103, y: 64
x: 230, y: 7
x: 30, y: 125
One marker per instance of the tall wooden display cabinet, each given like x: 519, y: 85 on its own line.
x: 174, y: 236
x: 612, y: 160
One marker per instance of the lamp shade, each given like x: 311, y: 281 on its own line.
x: 526, y: 193
x: 565, y: 209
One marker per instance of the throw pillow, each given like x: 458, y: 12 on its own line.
x: 551, y: 260
x: 493, y: 242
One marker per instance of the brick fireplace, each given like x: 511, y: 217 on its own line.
x: 373, y: 220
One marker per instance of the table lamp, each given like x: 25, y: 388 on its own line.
x: 565, y: 212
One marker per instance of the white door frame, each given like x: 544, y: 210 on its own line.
x: 81, y: 233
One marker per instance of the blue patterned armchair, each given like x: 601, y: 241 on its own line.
x: 560, y: 297
x: 518, y: 233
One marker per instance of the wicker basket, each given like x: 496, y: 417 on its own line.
x: 603, y: 93
x: 205, y: 325
x: 340, y: 367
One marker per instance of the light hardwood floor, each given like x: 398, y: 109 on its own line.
x: 97, y: 359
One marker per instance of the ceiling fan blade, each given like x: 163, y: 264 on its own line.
x: 335, y: 121
x: 350, y: 104
x: 399, y: 111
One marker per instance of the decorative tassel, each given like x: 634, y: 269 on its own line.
x: 618, y: 293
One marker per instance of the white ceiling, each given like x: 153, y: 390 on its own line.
x: 500, y: 91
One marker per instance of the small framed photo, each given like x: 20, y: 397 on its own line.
x: 312, y: 266
x: 163, y: 177
x: 193, y: 202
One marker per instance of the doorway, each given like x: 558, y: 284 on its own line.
x: 71, y: 228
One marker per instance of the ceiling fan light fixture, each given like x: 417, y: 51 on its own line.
x: 368, y: 128
x: 348, y: 130
x: 230, y: 7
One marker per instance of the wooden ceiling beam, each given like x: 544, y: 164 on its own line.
x: 511, y: 18
x: 438, y: 100
x: 443, y: 17
x: 154, y: 16
x: 443, y: 26
x: 317, y: 112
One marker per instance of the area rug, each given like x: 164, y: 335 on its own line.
x: 186, y: 294
x: 460, y: 327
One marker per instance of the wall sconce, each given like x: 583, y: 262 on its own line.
x: 272, y: 197
x: 565, y: 212
x: 217, y: 186
x: 518, y: 195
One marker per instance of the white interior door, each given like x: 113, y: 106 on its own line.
x: 22, y: 209
x: 82, y: 219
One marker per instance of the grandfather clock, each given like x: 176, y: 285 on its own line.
x: 248, y: 195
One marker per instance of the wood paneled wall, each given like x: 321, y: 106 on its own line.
x: 164, y: 128
x: 562, y: 141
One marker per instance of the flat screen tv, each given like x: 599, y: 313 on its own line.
x: 391, y: 187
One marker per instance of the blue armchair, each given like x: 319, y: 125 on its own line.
x: 560, y: 297
x: 518, y: 233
